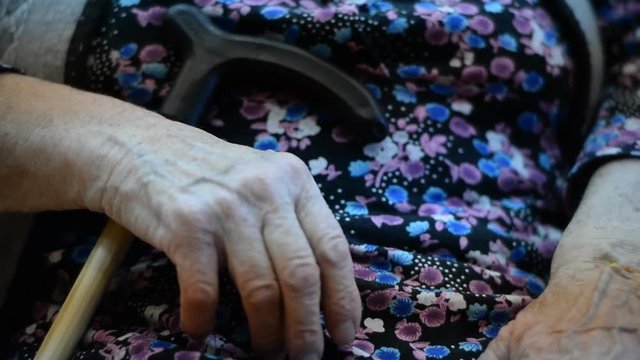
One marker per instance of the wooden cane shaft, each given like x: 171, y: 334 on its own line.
x: 71, y: 321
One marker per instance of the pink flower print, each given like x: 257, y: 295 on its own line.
x: 255, y: 2
x: 253, y: 110
x: 433, y: 145
x: 482, y: 25
x: 474, y: 74
x: 379, y: 300
x: 379, y: 220
x: 461, y: 128
x: 154, y: 15
x: 362, y: 348
x: 466, y: 9
x: 407, y: 331
x: 433, y: 316
x: 153, y: 53
x: 430, y: 276
x: 412, y: 169
x: 324, y: 14
x: 480, y: 287
x: 363, y: 272
x: 420, y: 113
x: 470, y: 174
x: 436, y: 35
x: 522, y: 25
x: 502, y: 67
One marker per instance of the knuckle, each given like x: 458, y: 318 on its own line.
x: 199, y: 293
x: 261, y: 294
x: 226, y: 205
x: 302, y: 277
x: 293, y: 164
x: 333, y: 251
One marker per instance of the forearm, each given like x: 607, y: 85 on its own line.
x: 606, y: 227
x: 54, y: 144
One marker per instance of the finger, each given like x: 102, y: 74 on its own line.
x: 197, y: 266
x: 299, y: 279
x: 340, y: 297
x: 498, y: 349
x: 256, y: 281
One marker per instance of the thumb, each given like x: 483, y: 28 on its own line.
x: 498, y: 349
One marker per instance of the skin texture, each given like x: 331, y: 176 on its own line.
x: 591, y: 308
x: 205, y: 202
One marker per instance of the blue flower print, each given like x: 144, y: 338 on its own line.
x: 128, y: 50
x: 417, y: 228
x: 402, y: 307
x: 292, y: 34
x: 617, y: 119
x: 532, y: 82
x: 380, y: 265
x: 528, y: 121
x: 381, y: 7
x: 455, y: 23
x: 411, y: 71
x: 502, y: 160
x: 401, y: 257
x: 342, y: 35
x: 434, y: 195
x: 508, y: 42
x: 274, y: 12
x: 436, y: 351
x: 296, y: 112
x: 476, y: 312
x: 321, y: 50
x: 359, y: 168
x: 482, y: 147
x: 497, y: 89
x: 493, y: 7
x: 398, y: 26
x: 494, y: 228
x: 550, y: 37
x: 458, y: 228
x: 374, y: 90
x: 158, y: 344
x: 475, y: 41
x: 438, y: 112
x: 513, y: 204
x: 500, y: 317
x: 488, y: 168
x: 127, y: 3
x: 396, y: 194
x: 545, y: 161
x: 155, y: 70
x: 441, y: 89
x: 470, y: 346
x: 355, y: 209
x: 126, y: 79
x: 138, y: 95
x: 404, y: 95
x: 387, y: 278
x: 386, y: 353
x: 535, y: 287
x: 267, y: 143
x: 491, y: 331
x: 426, y: 6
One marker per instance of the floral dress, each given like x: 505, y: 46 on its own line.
x: 452, y: 219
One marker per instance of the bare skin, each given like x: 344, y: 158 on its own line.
x: 201, y: 200
x: 591, y: 308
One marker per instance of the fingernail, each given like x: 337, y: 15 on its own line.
x: 344, y: 334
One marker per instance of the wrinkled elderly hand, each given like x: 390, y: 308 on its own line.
x: 203, y: 201
x: 586, y: 315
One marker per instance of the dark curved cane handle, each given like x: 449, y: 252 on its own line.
x: 213, y: 51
